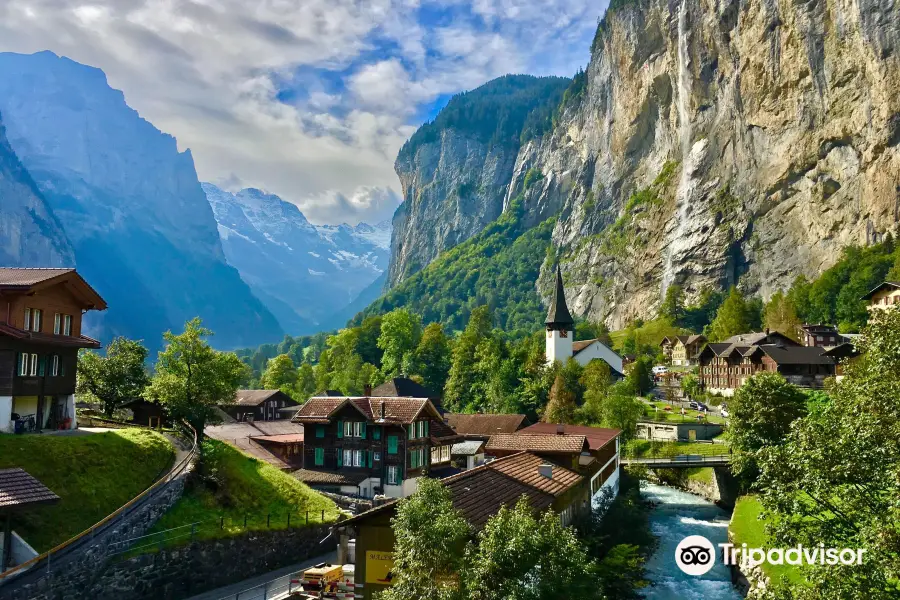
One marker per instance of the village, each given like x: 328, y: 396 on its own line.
x: 367, y: 453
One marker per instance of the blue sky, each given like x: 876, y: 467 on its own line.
x: 311, y: 99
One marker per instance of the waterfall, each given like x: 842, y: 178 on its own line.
x: 682, y: 197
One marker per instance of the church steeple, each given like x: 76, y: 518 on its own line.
x: 558, y: 317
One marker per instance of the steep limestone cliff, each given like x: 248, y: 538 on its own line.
x: 30, y: 235
x: 717, y: 142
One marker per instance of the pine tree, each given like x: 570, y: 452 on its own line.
x: 732, y: 318
x: 781, y: 316
x: 561, y: 407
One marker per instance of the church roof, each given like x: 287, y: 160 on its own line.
x: 559, y: 312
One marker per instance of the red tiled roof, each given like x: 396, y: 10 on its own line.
x: 537, y: 442
x: 312, y: 477
x: 441, y: 432
x: 485, y: 424
x: 286, y: 438
x: 18, y: 488
x: 23, y: 279
x: 581, y: 345
x: 320, y: 407
x: 400, y: 410
x: 597, y: 437
x: 479, y: 493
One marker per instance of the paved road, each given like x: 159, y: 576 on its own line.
x: 256, y: 588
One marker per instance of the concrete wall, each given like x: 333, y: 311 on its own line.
x: 600, y: 351
x: 197, y: 568
x: 677, y: 432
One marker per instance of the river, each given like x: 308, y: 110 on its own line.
x: 677, y: 515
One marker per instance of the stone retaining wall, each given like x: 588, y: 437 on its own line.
x: 206, y: 565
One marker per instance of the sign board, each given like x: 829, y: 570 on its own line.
x: 379, y: 567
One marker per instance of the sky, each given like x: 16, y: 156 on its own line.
x: 307, y: 99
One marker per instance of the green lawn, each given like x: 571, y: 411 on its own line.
x: 651, y: 332
x: 92, y: 474
x: 233, y: 485
x: 747, y: 528
x: 674, y: 414
x: 654, y: 449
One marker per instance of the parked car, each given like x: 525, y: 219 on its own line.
x: 702, y: 406
x: 660, y: 370
x: 725, y: 412
x: 694, y: 405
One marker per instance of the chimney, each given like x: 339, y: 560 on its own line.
x: 560, y: 429
x: 546, y: 470
x: 367, y: 389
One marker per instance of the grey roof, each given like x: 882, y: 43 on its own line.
x: 18, y: 488
x: 402, y: 387
x: 257, y: 397
x: 467, y: 448
x: 559, y: 312
x: 797, y: 355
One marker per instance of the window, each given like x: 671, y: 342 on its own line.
x: 348, y: 458
x: 393, y: 475
x: 377, y: 456
x: 57, y: 323
x: 320, y: 431
x: 33, y: 365
x: 23, y: 364
x: 376, y: 433
x: 348, y: 429
x: 359, y: 458
x: 320, y: 457
x: 27, y: 319
x: 67, y: 325
x: 36, y: 319
x: 392, y: 444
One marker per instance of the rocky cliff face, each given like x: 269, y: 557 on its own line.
x: 712, y: 143
x: 129, y: 202
x: 30, y: 235
x: 303, y: 273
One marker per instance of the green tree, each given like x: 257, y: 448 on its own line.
x: 641, y: 375
x: 523, y: 557
x: 306, y: 382
x: 115, y: 378
x: 192, y: 379
x: 781, y: 316
x: 701, y: 314
x: 834, y: 480
x: 732, y: 318
x: 367, y: 340
x: 621, y: 409
x: 430, y: 542
x: 432, y: 358
x: 762, y: 411
x: 401, y: 331
x: 463, y: 375
x: 280, y: 374
x: 672, y: 308
x: 690, y: 385
x: 596, y: 380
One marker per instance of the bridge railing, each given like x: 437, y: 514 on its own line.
x: 682, y: 459
x: 58, y: 552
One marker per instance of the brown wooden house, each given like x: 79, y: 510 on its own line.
x: 260, y: 405
x: 824, y: 336
x: 40, y: 335
x: 481, y: 426
x: 370, y: 445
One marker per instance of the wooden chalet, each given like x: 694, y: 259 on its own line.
x: 260, y: 405
x: 478, y: 494
x: 41, y: 314
x: 370, y: 445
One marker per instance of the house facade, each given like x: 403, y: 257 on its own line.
x: 370, y: 446
x: 260, y: 405
x: 686, y: 350
x: 724, y: 367
x: 825, y: 336
x: 884, y: 295
x: 40, y: 335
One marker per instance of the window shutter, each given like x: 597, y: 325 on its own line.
x: 412, y: 431
x: 362, y: 430
x: 426, y: 428
x: 412, y: 459
x: 62, y: 367
x: 42, y: 365
x: 376, y: 433
x: 320, y: 431
x: 22, y: 363
x: 340, y: 429
x: 369, y: 458
x: 392, y: 444
x: 340, y: 457
x: 320, y: 456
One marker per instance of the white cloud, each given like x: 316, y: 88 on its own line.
x: 211, y: 72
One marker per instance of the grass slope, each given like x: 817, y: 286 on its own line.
x: 747, y: 528
x: 233, y: 485
x: 498, y: 267
x: 654, y: 449
x: 92, y: 474
x: 650, y: 333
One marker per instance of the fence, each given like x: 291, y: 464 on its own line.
x: 215, y: 528
x: 270, y: 590
x: 54, y: 555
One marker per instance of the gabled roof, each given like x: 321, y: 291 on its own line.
x: 542, y: 442
x: 758, y: 337
x: 597, y: 437
x: 19, y: 489
x: 485, y: 424
x: 479, y: 493
x: 884, y: 284
x: 375, y: 409
x: 691, y: 339
x: 403, y: 387
x: 467, y: 448
x: 558, y: 314
x: 441, y: 433
x: 718, y: 348
x: 257, y: 397
x: 797, y: 355
x: 20, y: 279
x: 312, y: 477
x: 819, y: 328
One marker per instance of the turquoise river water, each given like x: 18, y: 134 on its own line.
x: 677, y: 515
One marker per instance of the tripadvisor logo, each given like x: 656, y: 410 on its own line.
x: 696, y: 555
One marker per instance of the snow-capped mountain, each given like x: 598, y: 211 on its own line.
x: 304, y: 273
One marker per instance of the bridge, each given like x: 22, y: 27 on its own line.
x: 683, y: 461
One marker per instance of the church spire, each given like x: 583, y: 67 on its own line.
x: 558, y: 316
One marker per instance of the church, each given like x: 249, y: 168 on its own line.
x: 560, y: 341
